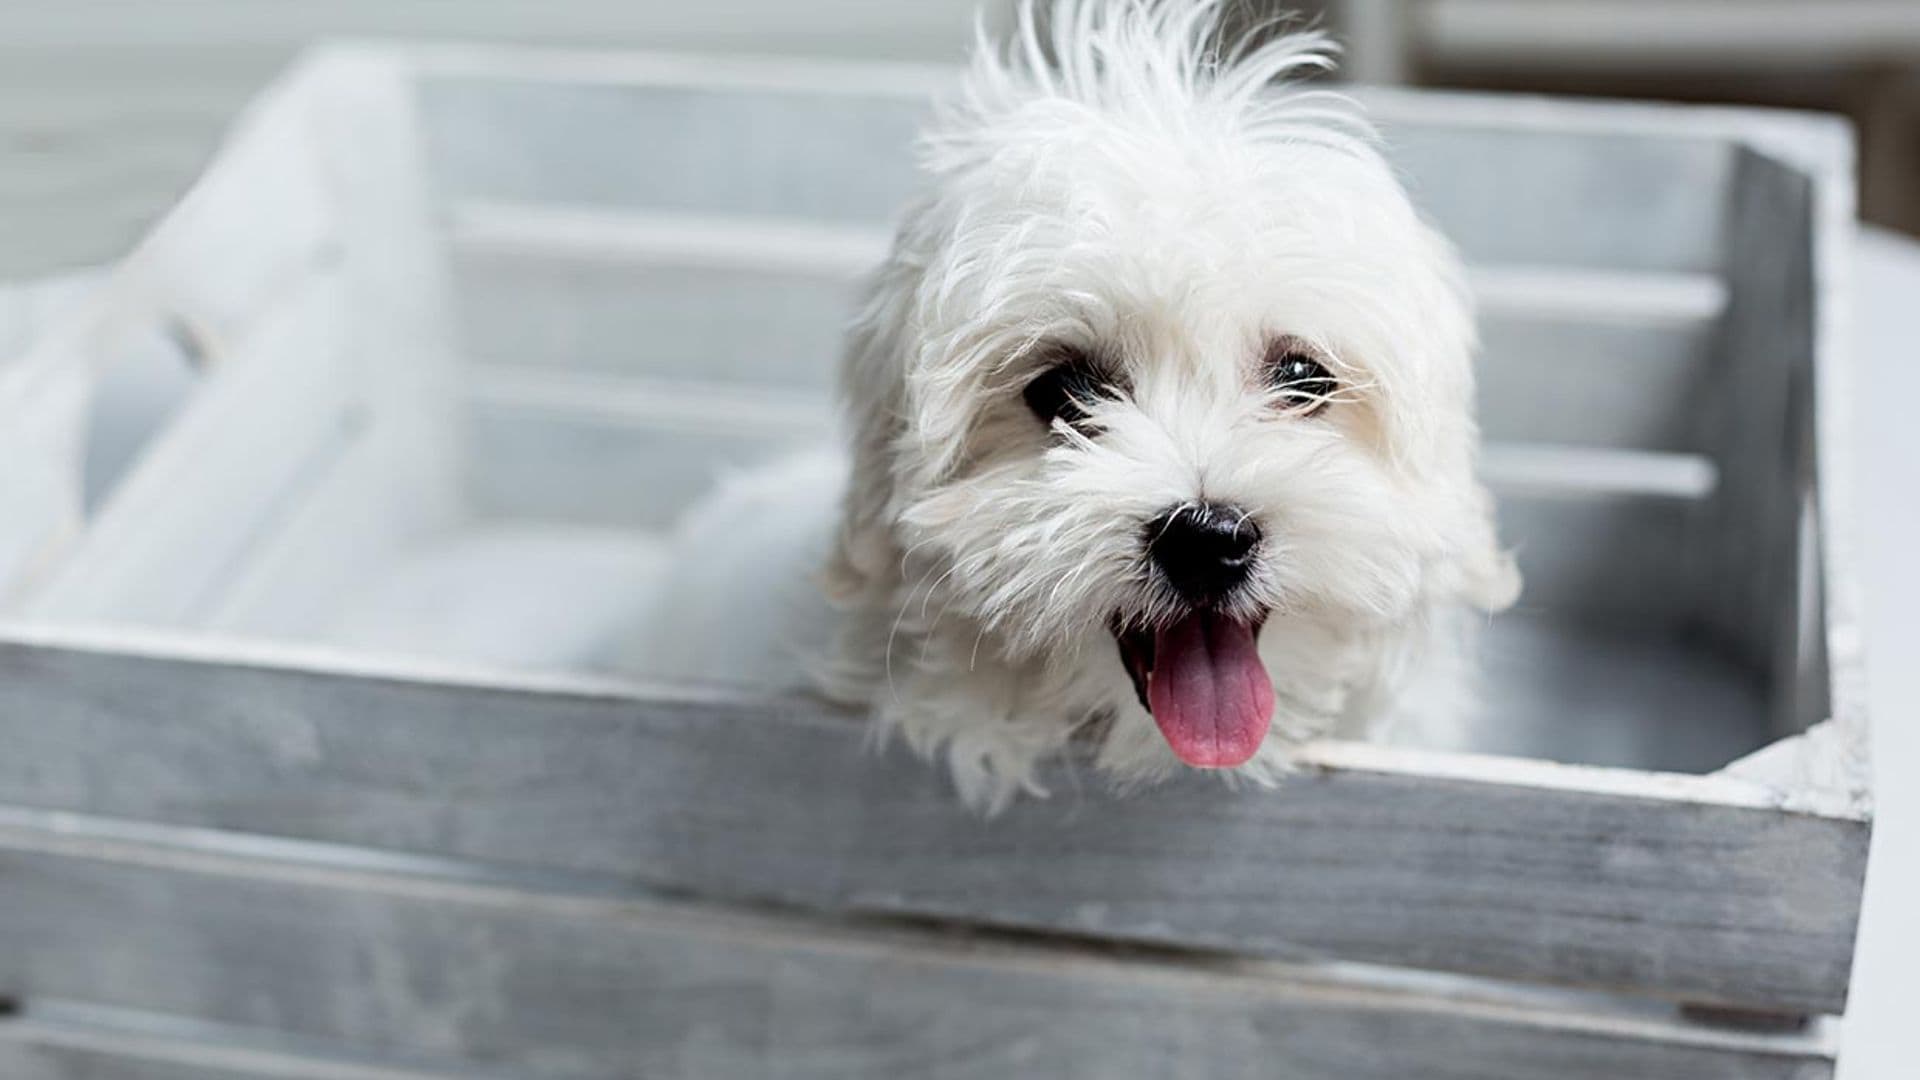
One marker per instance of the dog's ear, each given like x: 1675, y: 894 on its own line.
x: 866, y: 553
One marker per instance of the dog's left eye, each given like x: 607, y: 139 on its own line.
x: 1303, y: 381
x: 1063, y: 391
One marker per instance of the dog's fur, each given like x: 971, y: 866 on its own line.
x: 1117, y: 183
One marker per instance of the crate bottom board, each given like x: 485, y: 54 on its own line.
x: 531, y: 595
x: 63, y: 1040
x: 156, y: 953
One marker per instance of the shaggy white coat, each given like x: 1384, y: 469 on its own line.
x: 1117, y: 180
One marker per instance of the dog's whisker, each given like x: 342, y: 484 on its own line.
x: 907, y: 554
x: 893, y: 632
x: 927, y: 597
x: 940, y: 615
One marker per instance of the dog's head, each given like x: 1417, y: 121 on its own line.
x: 1163, y: 356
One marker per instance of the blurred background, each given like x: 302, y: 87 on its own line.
x: 109, y: 107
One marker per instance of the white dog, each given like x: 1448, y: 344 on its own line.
x: 1162, y: 429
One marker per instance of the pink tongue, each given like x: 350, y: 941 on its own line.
x: 1209, y: 692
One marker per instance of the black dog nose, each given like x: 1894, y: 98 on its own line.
x: 1203, y: 550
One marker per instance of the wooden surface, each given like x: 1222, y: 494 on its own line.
x: 1683, y: 887
x: 60, y: 1040
x: 415, y: 963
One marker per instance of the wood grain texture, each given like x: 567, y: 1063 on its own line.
x: 417, y: 965
x: 1518, y: 872
x: 59, y: 1040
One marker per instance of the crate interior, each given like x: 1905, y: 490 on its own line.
x: 645, y: 285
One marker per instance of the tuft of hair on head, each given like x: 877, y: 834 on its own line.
x: 1177, y: 64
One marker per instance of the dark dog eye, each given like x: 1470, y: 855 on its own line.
x: 1303, y: 381
x: 1065, y: 390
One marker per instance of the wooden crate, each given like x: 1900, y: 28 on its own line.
x: 309, y: 769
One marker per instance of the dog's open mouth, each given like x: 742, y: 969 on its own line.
x: 1202, y: 680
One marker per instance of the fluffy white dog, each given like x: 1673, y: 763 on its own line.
x: 1162, y: 429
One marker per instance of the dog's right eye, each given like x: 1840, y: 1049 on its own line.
x: 1065, y: 390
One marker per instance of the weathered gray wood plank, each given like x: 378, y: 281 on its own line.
x: 26, y: 1061
x: 410, y: 964
x: 1762, y: 427
x: 65, y: 1040
x: 1527, y: 872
